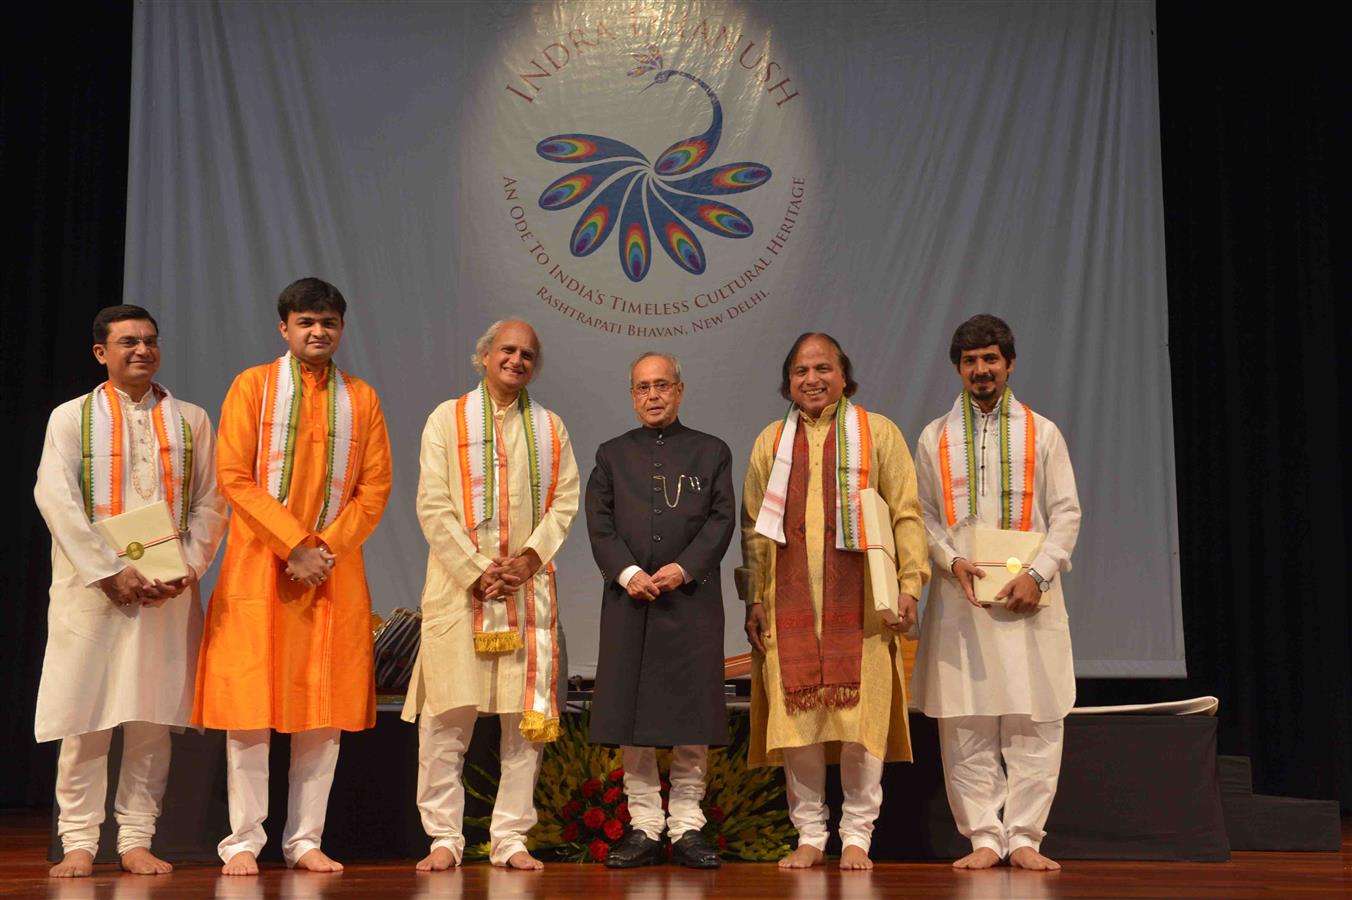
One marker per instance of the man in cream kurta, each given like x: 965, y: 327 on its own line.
x: 490, y: 633
x: 120, y: 650
x: 866, y: 724
x: 999, y: 679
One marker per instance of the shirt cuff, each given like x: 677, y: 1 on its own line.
x: 629, y: 572
x: 92, y: 580
x: 685, y: 576
x: 1046, y: 566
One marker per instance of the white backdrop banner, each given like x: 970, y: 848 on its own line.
x: 705, y: 179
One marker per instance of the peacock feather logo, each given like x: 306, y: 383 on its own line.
x: 645, y: 198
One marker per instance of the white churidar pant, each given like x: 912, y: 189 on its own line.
x: 314, y: 755
x: 643, y: 790
x: 978, y: 786
x: 861, y: 781
x: 82, y: 786
x: 442, y: 742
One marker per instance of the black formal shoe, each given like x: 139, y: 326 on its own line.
x: 694, y: 851
x: 634, y: 849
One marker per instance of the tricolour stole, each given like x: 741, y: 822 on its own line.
x: 106, y: 466
x: 820, y: 673
x: 1018, y: 458
x: 279, y: 421
x: 485, y: 500
x: 854, y: 447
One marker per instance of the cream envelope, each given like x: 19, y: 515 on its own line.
x: 148, y: 540
x: 882, y: 556
x: 1002, y: 555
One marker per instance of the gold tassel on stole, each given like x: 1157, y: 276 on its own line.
x: 497, y: 642
x: 535, y: 727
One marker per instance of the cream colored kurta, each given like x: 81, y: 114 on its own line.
x: 448, y: 673
x: 878, y: 721
x: 993, y: 662
x: 107, y: 664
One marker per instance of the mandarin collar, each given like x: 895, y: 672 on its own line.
x: 828, y: 413
x: 976, y: 410
x: 318, y: 379
x: 146, y: 402
x: 665, y: 432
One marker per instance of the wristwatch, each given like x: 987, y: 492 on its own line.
x: 1042, y: 584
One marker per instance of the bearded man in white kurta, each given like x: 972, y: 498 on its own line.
x: 999, y: 679
x: 121, y: 648
x: 497, y: 494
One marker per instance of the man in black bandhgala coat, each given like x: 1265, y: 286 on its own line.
x: 660, y: 515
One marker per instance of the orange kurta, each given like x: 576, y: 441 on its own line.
x: 275, y: 653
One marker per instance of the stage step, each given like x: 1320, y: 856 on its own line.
x: 1235, y: 774
x: 1260, y: 822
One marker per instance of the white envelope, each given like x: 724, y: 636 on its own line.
x: 882, y: 557
x: 1002, y: 555
x: 148, y: 540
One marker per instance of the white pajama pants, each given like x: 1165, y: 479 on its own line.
x: 82, y: 786
x: 643, y: 790
x: 314, y: 755
x: 979, y: 787
x: 861, y: 781
x: 442, y: 743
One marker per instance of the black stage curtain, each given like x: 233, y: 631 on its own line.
x: 1255, y: 141
x: 64, y: 120
x: 1254, y: 123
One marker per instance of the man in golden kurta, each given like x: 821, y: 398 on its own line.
x: 827, y: 678
x: 497, y: 494
x: 304, y: 461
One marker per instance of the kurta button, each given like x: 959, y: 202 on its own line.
x: 657, y: 538
x: 656, y: 489
x: 660, y: 442
x: 657, y: 465
x: 657, y: 512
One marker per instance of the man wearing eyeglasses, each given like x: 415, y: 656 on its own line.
x: 660, y: 515
x: 121, y: 647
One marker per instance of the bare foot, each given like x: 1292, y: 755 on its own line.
x: 523, y: 860
x: 316, y: 861
x: 853, y: 857
x: 242, y: 863
x: 140, y: 861
x: 804, y: 857
x: 980, y: 858
x: 75, y: 864
x: 1028, y: 858
x: 439, y: 860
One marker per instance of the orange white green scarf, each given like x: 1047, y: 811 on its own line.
x: 854, y: 446
x: 277, y: 434
x: 106, y: 466
x: 485, y: 505
x: 1018, y: 456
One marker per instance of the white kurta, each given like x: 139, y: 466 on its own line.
x: 993, y: 662
x: 107, y: 664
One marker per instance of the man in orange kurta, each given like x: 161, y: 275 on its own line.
x: 304, y: 461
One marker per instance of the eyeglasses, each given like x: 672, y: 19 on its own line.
x: 662, y: 387
x: 130, y: 343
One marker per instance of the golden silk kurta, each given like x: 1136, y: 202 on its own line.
x: 275, y: 653
x: 879, y: 720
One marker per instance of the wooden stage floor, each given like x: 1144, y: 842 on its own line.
x: 23, y: 873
